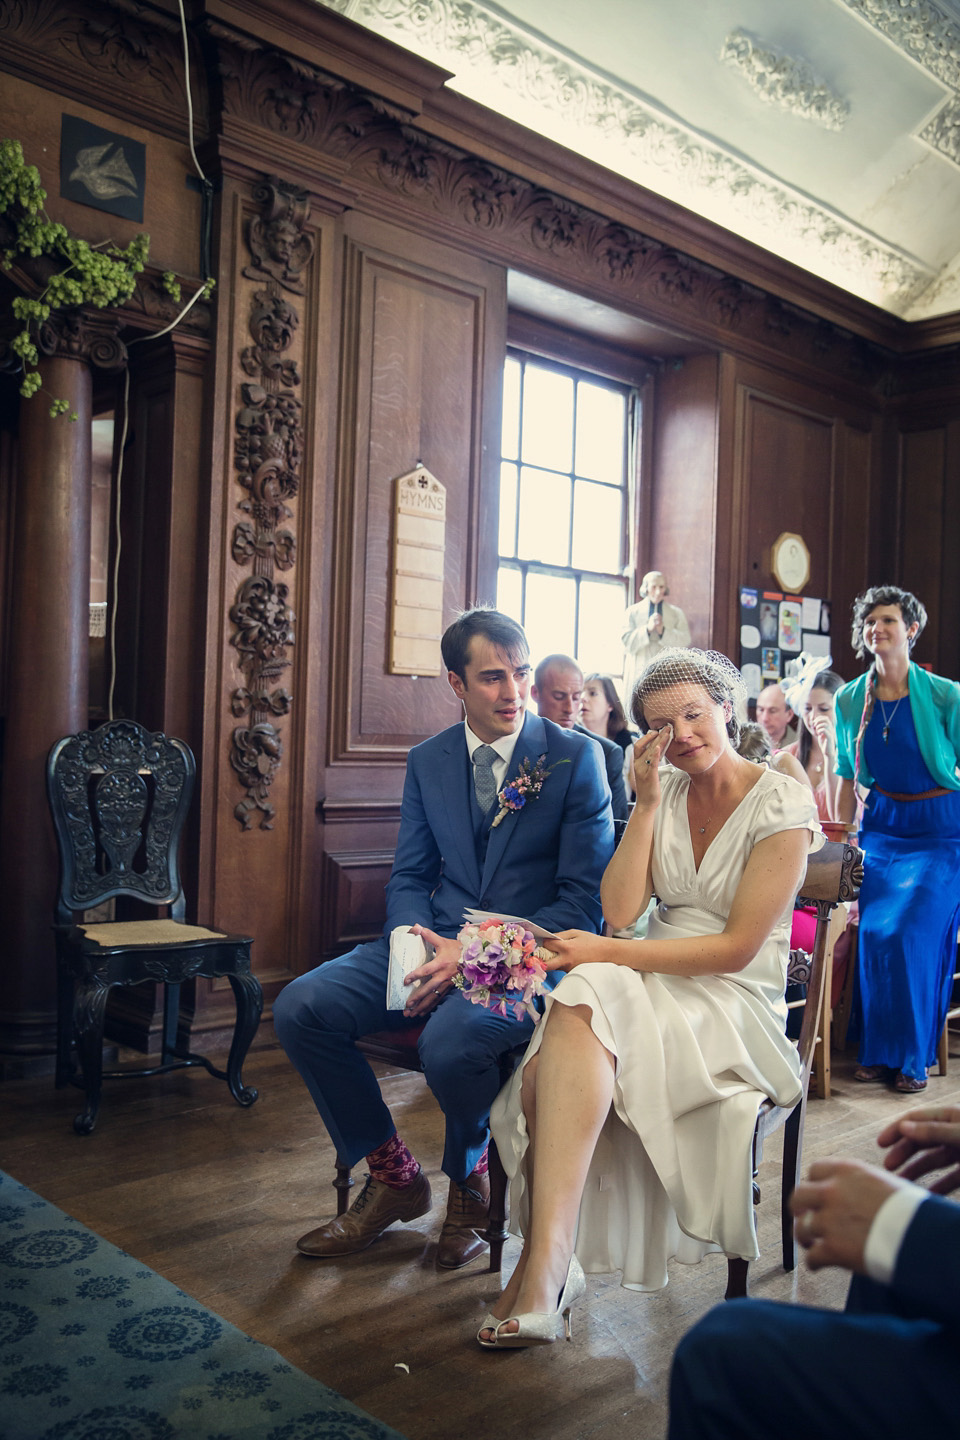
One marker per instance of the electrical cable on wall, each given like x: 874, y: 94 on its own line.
x: 140, y: 340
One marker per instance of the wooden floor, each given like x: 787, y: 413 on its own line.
x: 213, y: 1197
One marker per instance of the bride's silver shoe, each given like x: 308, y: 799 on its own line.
x: 536, y: 1327
x: 489, y: 1322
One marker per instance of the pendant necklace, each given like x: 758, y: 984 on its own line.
x: 888, y: 719
x: 702, y: 828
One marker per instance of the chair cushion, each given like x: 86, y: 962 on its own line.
x: 147, y: 932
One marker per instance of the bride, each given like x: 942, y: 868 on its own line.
x: 627, y: 1129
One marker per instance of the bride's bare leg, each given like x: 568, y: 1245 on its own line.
x: 505, y: 1303
x: 565, y: 1103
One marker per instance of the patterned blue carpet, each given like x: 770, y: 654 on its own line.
x: 94, y: 1346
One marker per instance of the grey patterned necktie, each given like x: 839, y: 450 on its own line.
x: 484, y: 785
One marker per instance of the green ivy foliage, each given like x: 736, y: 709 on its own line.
x: 98, y: 275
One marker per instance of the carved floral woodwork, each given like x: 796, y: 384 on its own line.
x: 268, y: 451
x: 371, y: 145
x: 127, y: 56
x: 86, y: 335
x: 502, y: 62
x: 120, y: 802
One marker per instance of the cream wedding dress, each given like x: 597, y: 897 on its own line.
x: 670, y: 1177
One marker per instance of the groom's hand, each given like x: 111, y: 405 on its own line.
x: 434, y: 979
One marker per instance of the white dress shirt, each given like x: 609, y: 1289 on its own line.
x: 890, y: 1225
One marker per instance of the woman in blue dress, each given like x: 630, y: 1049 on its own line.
x: 898, y: 748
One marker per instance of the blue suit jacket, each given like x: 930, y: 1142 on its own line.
x: 613, y: 760
x: 543, y: 862
x: 927, y: 1273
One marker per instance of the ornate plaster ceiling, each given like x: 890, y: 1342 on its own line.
x: 826, y: 131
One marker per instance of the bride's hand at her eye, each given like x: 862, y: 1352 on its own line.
x: 648, y: 752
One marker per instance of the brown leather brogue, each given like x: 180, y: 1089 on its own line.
x: 468, y: 1205
x: 376, y: 1207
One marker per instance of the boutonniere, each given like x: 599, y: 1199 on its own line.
x: 525, y: 786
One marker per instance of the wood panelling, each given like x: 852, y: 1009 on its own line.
x: 790, y: 472
x: 354, y: 906
x: 774, y: 419
x: 682, y: 508
x: 423, y: 345
x: 32, y: 115
x: 928, y: 527
x: 741, y: 454
x: 805, y: 461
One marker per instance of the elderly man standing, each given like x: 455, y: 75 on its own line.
x: 557, y: 687
x: 776, y: 717
x: 650, y: 626
x: 458, y: 848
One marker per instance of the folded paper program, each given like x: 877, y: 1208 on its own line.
x: 407, y: 952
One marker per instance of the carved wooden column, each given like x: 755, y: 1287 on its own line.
x: 47, y: 667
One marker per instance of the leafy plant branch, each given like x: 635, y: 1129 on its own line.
x: 99, y: 275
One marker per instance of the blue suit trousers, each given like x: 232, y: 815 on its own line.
x: 756, y: 1370
x: 320, y: 1016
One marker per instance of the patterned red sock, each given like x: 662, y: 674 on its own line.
x: 483, y: 1163
x: 392, y: 1164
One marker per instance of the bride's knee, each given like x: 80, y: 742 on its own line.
x: 567, y: 1018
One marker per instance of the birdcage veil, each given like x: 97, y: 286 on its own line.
x: 695, y: 670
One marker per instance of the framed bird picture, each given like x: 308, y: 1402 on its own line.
x: 102, y: 169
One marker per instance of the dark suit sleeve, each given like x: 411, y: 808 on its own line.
x: 618, y: 795
x: 417, y: 862
x: 584, y: 849
x: 927, y: 1274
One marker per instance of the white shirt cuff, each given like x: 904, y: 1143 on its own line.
x: 890, y: 1225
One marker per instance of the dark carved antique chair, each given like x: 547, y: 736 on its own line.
x: 119, y: 797
x: 834, y: 874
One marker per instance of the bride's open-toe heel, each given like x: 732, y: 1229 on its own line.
x: 489, y: 1322
x: 536, y: 1327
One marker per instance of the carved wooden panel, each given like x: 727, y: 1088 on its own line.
x: 268, y: 452
x: 422, y: 351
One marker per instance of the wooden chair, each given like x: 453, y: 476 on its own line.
x: 820, y: 1074
x: 119, y: 796
x: 953, y: 1013
x: 833, y: 875
x: 400, y: 1048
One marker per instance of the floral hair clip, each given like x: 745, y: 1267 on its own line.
x: 525, y: 785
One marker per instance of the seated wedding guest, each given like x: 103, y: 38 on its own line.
x: 776, y: 717
x: 898, y: 736
x: 460, y: 845
x: 754, y: 744
x: 652, y: 625
x: 601, y: 711
x: 558, y: 689
x: 655, y: 1054
x: 883, y: 1368
x: 811, y: 696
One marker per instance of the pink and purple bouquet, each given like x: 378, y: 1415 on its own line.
x: 501, y: 966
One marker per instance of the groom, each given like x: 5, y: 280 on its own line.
x: 543, y: 862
